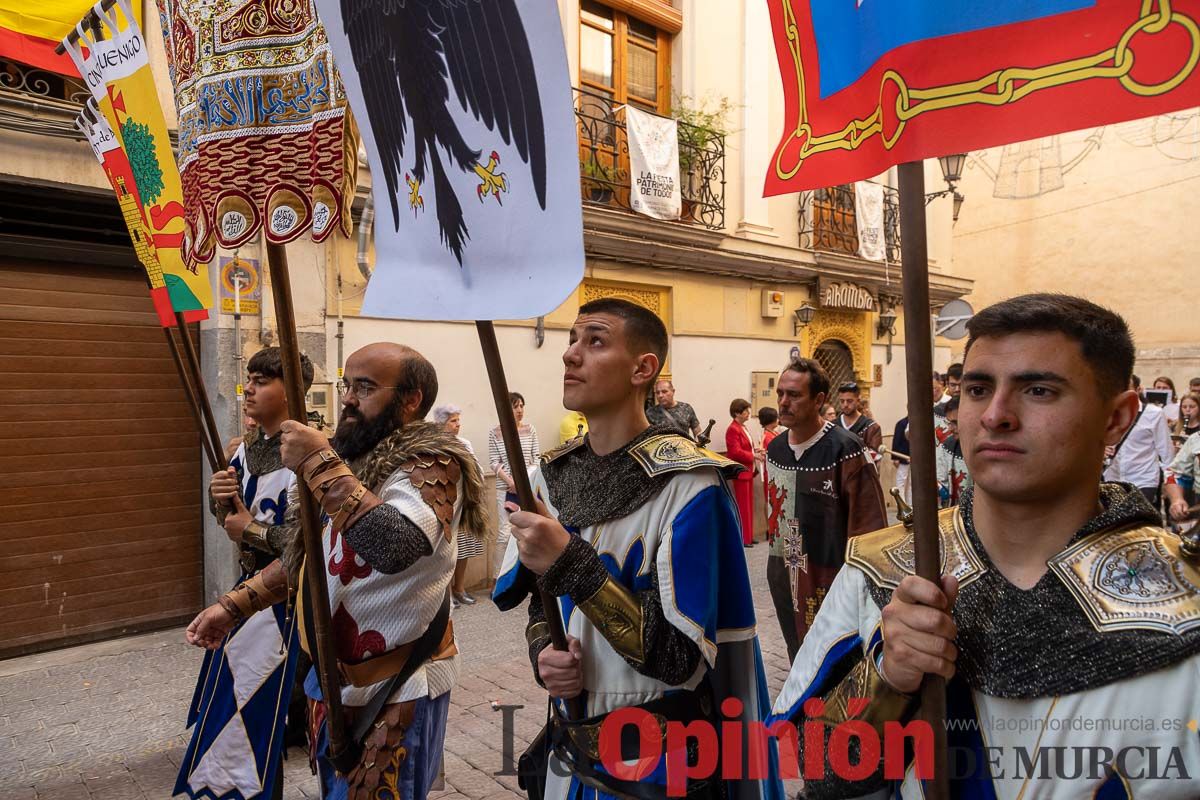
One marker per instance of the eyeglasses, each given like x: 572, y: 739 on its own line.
x: 848, y: 387
x: 361, y: 388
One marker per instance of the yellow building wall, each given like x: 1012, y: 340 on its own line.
x: 1110, y: 214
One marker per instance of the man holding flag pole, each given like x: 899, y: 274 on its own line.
x: 1057, y: 602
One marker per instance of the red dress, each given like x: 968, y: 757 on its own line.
x: 739, y: 448
x: 767, y: 437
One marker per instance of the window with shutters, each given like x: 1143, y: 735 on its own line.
x: 624, y: 59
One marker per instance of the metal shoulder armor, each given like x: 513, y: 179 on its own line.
x: 1136, y: 578
x: 887, y: 556
x: 672, y: 452
x: 562, y: 449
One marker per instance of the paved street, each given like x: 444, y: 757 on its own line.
x: 105, y: 721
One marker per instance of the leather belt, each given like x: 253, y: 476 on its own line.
x: 383, y: 666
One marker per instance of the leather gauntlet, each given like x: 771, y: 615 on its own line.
x: 257, y: 592
x: 323, y: 472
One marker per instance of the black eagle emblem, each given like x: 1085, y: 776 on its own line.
x: 409, y: 54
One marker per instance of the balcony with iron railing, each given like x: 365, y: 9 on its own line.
x: 38, y: 101
x: 604, y: 173
x: 828, y: 222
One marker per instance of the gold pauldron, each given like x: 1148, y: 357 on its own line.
x: 616, y: 613
x: 883, y: 703
x: 536, y: 632
x: 1133, y: 579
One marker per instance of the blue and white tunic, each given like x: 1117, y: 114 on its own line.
x: 689, y: 531
x: 1082, y: 687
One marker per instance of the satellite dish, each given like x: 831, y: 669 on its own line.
x: 952, y: 320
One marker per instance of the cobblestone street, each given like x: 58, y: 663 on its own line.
x: 105, y: 721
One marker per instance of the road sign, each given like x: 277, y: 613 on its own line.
x: 952, y: 320
x: 240, y: 273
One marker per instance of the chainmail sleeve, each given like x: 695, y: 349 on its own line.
x: 387, y: 540
x: 633, y: 622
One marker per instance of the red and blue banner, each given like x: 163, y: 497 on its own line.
x: 872, y: 83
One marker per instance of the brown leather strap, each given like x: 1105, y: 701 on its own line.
x: 241, y: 598
x: 314, y: 462
x: 266, y: 588
x: 324, y: 481
x: 227, y: 602
x: 348, y: 507
x: 385, y: 665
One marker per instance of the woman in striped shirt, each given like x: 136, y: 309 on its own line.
x: 505, y: 488
x: 470, y: 545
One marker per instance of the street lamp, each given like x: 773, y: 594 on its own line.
x: 886, y: 326
x: 803, y: 315
x: 952, y: 167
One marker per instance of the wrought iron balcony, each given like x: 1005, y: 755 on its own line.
x: 604, y: 162
x: 827, y: 221
x: 39, y: 102
x: 38, y: 84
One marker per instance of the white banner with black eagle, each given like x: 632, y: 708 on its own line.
x: 465, y: 110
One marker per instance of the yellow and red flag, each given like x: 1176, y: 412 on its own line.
x: 120, y: 174
x: 30, y: 31
x: 117, y: 71
x: 872, y: 83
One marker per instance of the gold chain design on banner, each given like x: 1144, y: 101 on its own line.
x: 995, y: 89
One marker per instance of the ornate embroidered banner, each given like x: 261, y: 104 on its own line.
x: 265, y: 140
x: 873, y: 83
x: 116, y: 70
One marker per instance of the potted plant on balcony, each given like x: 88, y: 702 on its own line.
x: 702, y: 124
x: 597, y: 180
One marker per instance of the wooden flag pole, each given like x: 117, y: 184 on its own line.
x: 512, y: 449
x: 200, y: 399
x: 209, y: 449
x: 193, y: 362
x: 314, y: 554
x: 914, y: 258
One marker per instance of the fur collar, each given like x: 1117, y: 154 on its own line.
x: 374, y: 468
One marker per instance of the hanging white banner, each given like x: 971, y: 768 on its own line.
x: 653, y: 164
x: 868, y: 215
